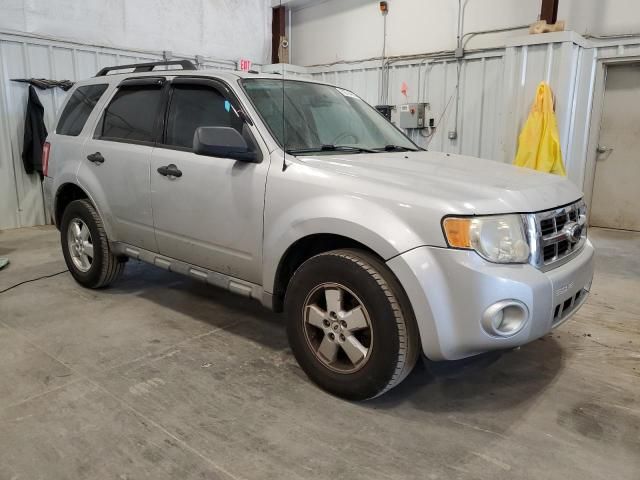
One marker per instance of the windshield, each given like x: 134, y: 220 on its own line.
x: 322, y: 118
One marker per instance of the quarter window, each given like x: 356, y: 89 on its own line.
x: 78, y: 109
x: 194, y: 106
x: 132, y: 114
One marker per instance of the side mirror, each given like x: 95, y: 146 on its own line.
x: 223, y: 142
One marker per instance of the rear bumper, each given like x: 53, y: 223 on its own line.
x: 47, y: 188
x: 451, y: 289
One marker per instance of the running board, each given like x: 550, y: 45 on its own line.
x: 232, y: 284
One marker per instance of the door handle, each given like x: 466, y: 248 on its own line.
x: 96, y: 158
x: 603, y: 149
x: 170, y: 171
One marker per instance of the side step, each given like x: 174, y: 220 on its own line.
x: 232, y: 284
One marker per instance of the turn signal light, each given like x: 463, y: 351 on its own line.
x: 457, y: 232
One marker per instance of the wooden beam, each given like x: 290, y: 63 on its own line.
x: 549, y: 11
x: 277, y: 32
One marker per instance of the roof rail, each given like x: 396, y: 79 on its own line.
x: 147, y: 67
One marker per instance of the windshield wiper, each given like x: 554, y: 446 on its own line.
x: 395, y: 148
x: 330, y: 148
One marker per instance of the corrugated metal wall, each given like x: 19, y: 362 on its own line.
x: 21, y: 201
x: 496, y: 90
x: 525, y: 67
x: 434, y: 82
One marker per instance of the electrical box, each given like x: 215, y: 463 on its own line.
x: 412, y: 115
x: 385, y: 110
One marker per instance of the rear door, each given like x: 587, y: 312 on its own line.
x: 116, y: 160
x: 67, y: 143
x: 212, y: 215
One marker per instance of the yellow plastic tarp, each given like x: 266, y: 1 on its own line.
x: 539, y: 141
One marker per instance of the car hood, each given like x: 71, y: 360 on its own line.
x: 454, y: 184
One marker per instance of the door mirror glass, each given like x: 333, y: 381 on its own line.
x: 223, y: 142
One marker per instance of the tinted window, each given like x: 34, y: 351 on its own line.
x: 132, y: 113
x: 78, y: 109
x: 195, y: 106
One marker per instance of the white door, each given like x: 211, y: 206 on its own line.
x: 616, y: 189
x: 212, y: 214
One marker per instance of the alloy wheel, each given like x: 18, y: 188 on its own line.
x: 80, y: 244
x: 337, y: 327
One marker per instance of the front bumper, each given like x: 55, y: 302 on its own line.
x: 449, y: 291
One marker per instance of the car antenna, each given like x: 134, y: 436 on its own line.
x: 284, y: 130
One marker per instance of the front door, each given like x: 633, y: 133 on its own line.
x: 212, y: 214
x: 116, y: 161
x: 615, y: 197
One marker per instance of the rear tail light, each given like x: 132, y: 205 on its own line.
x: 45, y: 158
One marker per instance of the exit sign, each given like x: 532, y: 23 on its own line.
x: 244, y: 65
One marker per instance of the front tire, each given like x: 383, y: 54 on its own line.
x: 350, y: 325
x: 85, y: 246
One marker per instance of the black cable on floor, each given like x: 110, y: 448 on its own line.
x: 33, y: 280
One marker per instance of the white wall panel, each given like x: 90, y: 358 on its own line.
x: 23, y: 56
x: 230, y: 29
x: 325, y: 31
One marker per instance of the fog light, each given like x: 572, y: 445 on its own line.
x: 505, y: 318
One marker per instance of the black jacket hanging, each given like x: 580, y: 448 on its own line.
x: 35, y: 134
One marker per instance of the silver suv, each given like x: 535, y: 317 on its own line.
x: 302, y: 196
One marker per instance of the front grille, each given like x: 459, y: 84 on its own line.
x: 555, y: 235
x: 547, y: 226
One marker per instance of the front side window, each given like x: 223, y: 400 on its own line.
x: 132, y: 114
x: 194, y: 106
x: 309, y: 117
x: 78, y: 108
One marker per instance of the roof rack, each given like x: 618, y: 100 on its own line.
x: 147, y: 67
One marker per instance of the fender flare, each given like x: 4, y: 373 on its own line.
x: 364, y: 222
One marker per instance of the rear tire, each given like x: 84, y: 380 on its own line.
x: 85, y: 246
x: 350, y: 325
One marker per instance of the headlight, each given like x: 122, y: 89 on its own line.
x: 498, y: 239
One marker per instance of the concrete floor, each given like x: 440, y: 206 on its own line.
x: 161, y: 377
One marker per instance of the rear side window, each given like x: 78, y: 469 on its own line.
x: 194, y: 106
x: 78, y: 109
x: 132, y: 114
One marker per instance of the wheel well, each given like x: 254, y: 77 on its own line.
x: 301, y: 251
x: 66, y: 194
